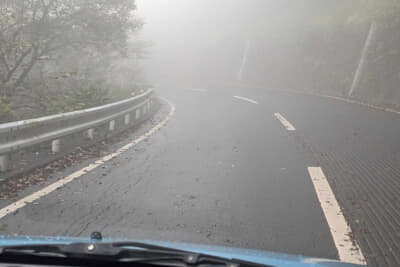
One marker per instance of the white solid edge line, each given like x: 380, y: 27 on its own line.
x: 348, y: 249
x: 246, y: 99
x: 60, y: 183
x: 285, y: 122
x: 196, y: 90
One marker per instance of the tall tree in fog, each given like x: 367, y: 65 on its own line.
x: 36, y: 30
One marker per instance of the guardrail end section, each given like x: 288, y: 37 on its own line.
x: 4, y: 163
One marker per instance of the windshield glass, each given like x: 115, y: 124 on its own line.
x: 251, y: 124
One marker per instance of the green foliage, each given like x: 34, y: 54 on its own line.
x: 75, y: 99
x: 55, y: 51
x: 383, y: 12
x: 6, y: 113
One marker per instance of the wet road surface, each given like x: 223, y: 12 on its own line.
x: 231, y: 168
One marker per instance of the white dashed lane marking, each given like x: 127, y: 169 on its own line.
x: 196, y: 90
x: 245, y: 99
x: 285, y: 122
x: 348, y: 249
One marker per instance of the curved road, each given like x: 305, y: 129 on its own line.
x: 241, y: 167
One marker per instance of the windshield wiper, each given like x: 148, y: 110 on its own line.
x: 119, y: 252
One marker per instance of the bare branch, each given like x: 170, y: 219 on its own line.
x: 17, y: 64
x: 5, y: 63
x: 28, y: 67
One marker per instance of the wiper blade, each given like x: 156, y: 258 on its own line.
x: 36, y: 250
x: 123, y: 252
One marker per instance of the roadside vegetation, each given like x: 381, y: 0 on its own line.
x: 318, y: 47
x: 64, y: 55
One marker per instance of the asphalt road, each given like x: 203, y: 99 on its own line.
x: 226, y: 171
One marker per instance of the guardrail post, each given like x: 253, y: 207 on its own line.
x: 4, y: 163
x: 55, y: 146
x: 127, y: 118
x: 112, y: 125
x: 52, y: 132
x: 90, y: 133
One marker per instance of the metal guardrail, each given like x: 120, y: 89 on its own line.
x: 19, y: 135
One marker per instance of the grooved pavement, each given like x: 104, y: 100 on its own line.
x: 227, y: 172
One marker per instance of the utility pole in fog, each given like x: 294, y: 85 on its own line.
x: 363, y: 59
x: 244, y: 61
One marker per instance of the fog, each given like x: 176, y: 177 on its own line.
x: 205, y: 41
x: 110, y: 49
x: 198, y: 41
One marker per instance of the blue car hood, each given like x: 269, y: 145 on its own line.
x: 256, y: 256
